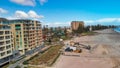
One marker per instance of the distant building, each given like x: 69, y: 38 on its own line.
x: 75, y: 24
x: 90, y: 29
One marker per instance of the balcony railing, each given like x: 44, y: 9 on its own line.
x: 2, y: 48
x: 2, y: 38
x: 1, y: 43
x: 1, y: 33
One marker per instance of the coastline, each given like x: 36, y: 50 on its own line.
x: 116, y: 30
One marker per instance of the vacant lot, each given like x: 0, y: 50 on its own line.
x: 48, y: 57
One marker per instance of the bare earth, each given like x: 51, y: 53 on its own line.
x: 105, y: 52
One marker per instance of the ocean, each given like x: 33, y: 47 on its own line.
x: 117, y: 30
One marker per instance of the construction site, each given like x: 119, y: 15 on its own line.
x: 74, y: 48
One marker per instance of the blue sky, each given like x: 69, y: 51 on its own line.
x: 62, y: 12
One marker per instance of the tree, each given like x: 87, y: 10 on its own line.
x: 65, y: 31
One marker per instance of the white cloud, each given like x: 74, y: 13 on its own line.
x: 11, y: 18
x: 31, y: 14
x: 24, y: 2
x: 107, y: 20
x: 3, y: 10
x: 89, y: 21
x: 103, y: 20
x: 43, y: 1
x: 118, y: 19
x: 21, y: 14
x: 29, y: 2
x: 56, y: 24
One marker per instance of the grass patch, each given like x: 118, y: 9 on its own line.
x: 65, y: 37
x: 37, y: 55
x: 48, y: 57
x: 54, y: 60
x: 17, y: 67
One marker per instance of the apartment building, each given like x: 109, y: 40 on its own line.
x: 18, y: 37
x: 27, y: 34
x: 75, y: 24
x: 6, y: 41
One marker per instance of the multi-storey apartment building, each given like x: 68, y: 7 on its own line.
x: 27, y: 34
x: 75, y: 24
x: 18, y: 37
x: 6, y: 41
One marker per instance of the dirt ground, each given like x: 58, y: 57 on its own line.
x: 105, y: 52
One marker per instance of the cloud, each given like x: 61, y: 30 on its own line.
x: 21, y: 14
x: 43, y: 1
x: 24, y: 2
x: 29, y: 2
x: 11, y: 18
x: 56, y: 24
x: 107, y: 20
x: 103, y: 21
x: 3, y: 10
x: 31, y: 14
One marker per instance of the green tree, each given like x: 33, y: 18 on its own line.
x: 65, y: 31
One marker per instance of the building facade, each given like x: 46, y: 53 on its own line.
x: 6, y: 42
x: 27, y: 34
x: 18, y: 37
x: 75, y: 24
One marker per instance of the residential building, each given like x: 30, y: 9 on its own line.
x: 27, y: 34
x: 6, y: 41
x: 75, y: 24
x: 18, y: 37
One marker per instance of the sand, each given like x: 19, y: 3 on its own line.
x: 105, y: 52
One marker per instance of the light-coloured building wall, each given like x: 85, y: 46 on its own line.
x: 6, y: 41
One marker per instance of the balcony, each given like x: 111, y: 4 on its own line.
x: 7, y: 37
x: 7, y: 42
x: 2, y: 48
x: 1, y: 32
x: 8, y: 52
x: 18, y: 28
x: 5, y: 27
x: 7, y: 32
x: 1, y: 43
x: 2, y: 54
x: 9, y: 46
x: 1, y: 38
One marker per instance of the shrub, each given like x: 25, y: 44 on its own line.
x: 17, y: 67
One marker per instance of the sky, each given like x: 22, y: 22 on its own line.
x: 62, y: 12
